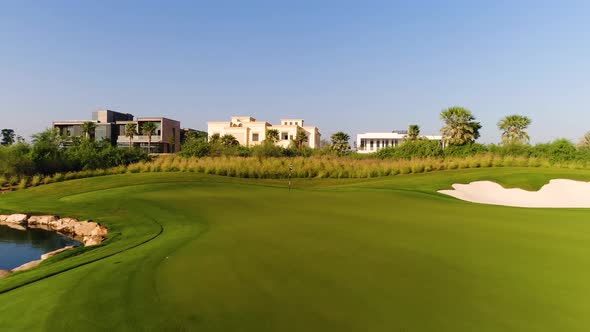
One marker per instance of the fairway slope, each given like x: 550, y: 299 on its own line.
x: 195, y: 252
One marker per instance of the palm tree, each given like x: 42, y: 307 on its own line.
x: 228, y: 140
x: 340, y: 142
x: 300, y: 138
x: 148, y: 129
x: 7, y: 136
x: 88, y: 127
x: 413, y: 132
x: 585, y: 141
x: 459, y: 126
x: 272, y: 136
x: 513, y: 129
x: 214, y: 138
x: 130, y: 130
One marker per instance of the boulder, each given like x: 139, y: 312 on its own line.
x: 84, y: 228
x: 27, y: 266
x: 88, y: 232
x: 65, y: 225
x: 91, y: 240
x: 20, y: 219
x: 42, y: 220
x: 99, y: 231
x: 55, y: 252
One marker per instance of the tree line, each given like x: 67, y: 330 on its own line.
x: 460, y: 128
x: 460, y: 131
x: 197, y: 145
x: 49, y: 153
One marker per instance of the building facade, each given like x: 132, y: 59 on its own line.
x: 110, y: 126
x: 250, y: 132
x: 373, y: 142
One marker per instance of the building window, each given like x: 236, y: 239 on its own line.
x: 297, y: 123
x: 285, y: 123
x: 290, y: 123
x: 255, y: 137
x: 285, y: 136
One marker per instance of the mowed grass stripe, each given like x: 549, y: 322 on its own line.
x: 248, y: 255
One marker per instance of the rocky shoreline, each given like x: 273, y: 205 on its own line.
x: 87, y: 232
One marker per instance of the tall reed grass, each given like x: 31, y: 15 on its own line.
x: 303, y: 167
x: 327, y: 166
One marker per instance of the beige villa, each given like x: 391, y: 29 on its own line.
x: 250, y: 132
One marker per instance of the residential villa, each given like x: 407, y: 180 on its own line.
x: 110, y: 126
x: 372, y: 142
x: 250, y: 132
x: 186, y: 132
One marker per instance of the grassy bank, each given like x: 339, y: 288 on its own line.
x: 200, y: 252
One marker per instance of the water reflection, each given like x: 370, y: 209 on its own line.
x: 20, y: 246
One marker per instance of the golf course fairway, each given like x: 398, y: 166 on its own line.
x: 194, y: 252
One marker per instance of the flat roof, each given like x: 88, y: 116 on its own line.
x: 393, y: 136
x: 72, y: 122
x: 154, y: 118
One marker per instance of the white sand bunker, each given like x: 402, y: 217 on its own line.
x: 558, y: 193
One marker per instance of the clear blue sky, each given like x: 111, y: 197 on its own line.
x: 356, y: 66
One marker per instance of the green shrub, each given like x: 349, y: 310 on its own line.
x: 421, y: 148
x: 466, y: 150
x: 513, y: 150
x: 560, y: 150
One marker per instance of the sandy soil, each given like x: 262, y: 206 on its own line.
x: 559, y: 193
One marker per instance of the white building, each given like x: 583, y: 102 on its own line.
x: 250, y: 132
x: 372, y: 142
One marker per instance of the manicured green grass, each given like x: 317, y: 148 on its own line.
x: 193, y: 252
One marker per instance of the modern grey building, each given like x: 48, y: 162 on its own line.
x: 110, y: 126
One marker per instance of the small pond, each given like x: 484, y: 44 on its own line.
x: 21, y: 246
